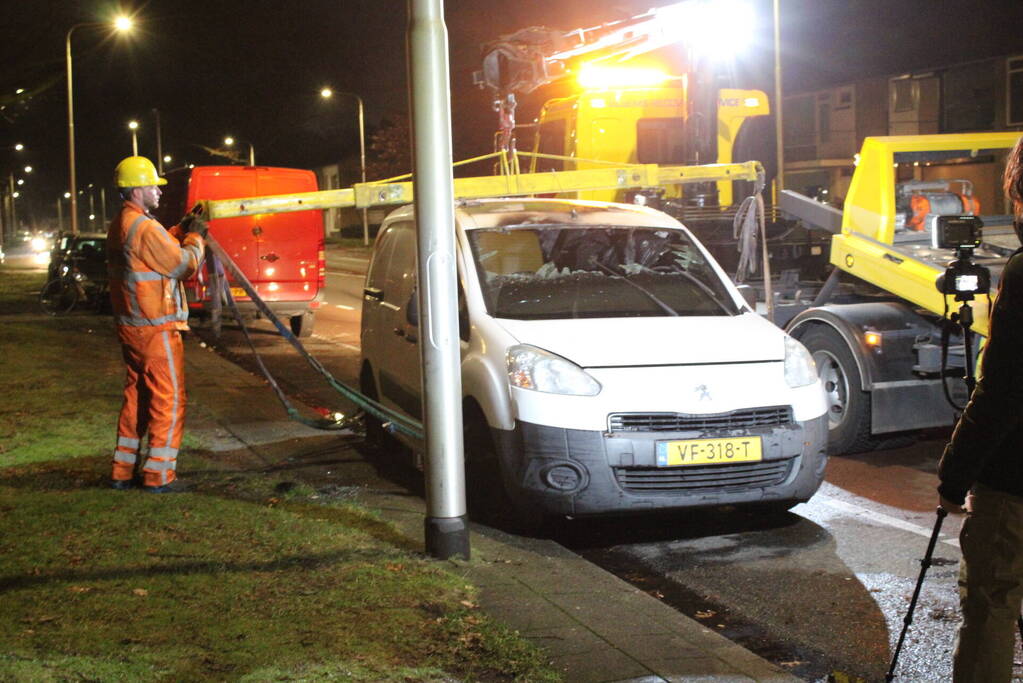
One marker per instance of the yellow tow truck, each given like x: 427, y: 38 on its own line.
x: 877, y: 336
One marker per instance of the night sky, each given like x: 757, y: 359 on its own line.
x: 253, y: 69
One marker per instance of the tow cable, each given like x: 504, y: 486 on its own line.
x: 391, y: 420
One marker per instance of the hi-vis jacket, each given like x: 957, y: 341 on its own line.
x: 146, y: 263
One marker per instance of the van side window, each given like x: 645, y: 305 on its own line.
x: 377, y: 274
x: 401, y: 271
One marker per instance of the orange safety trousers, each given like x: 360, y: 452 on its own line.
x: 154, y: 403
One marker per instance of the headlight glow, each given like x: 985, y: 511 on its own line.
x: 38, y: 244
x: 538, y: 370
x: 800, y: 370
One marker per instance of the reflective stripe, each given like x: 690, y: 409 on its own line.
x: 128, y: 458
x: 163, y: 453
x: 177, y: 392
x: 138, y: 321
x: 133, y: 297
x: 127, y: 443
x: 160, y: 465
x: 183, y: 266
x: 141, y: 275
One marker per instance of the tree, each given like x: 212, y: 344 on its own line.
x: 390, y: 149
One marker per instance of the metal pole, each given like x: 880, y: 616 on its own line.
x: 60, y: 216
x: 252, y: 155
x: 73, y: 207
x: 134, y: 144
x: 779, y: 141
x: 445, y: 525
x: 159, y: 148
x: 14, y: 208
x: 92, y: 207
x: 362, y: 166
x: 103, y: 205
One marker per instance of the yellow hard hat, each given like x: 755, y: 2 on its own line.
x: 137, y: 172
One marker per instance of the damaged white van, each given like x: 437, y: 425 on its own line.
x: 608, y: 363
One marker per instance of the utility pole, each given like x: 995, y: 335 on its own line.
x: 446, y: 530
x: 778, y: 128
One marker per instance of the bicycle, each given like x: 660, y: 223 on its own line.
x: 60, y: 295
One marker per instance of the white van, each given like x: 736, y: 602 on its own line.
x: 608, y: 363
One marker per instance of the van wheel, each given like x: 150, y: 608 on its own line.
x: 486, y: 494
x: 302, y: 324
x: 848, y: 406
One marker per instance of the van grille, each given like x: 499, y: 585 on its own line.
x: 680, y: 422
x: 693, y: 479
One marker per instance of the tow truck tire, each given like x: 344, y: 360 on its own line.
x: 302, y: 324
x: 847, y: 404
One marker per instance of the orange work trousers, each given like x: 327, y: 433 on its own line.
x: 154, y: 403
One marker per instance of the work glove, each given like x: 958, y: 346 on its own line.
x: 193, y: 223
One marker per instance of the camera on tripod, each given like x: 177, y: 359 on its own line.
x: 962, y: 277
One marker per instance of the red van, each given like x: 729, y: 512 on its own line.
x: 281, y: 254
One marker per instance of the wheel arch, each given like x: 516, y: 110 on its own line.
x: 819, y: 317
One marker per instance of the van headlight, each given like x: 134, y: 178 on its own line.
x: 800, y: 370
x: 539, y: 370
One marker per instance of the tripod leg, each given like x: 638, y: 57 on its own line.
x: 924, y: 564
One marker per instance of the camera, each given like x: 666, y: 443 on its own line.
x: 962, y: 277
x: 956, y: 232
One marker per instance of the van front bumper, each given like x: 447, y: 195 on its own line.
x: 579, y: 472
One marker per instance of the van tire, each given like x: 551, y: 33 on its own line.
x: 302, y: 324
x: 847, y: 404
x: 486, y: 495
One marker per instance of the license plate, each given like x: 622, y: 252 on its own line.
x: 708, y: 451
x: 237, y: 293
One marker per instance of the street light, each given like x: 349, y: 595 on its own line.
x: 133, y: 126
x: 326, y: 93
x: 121, y: 24
x: 229, y: 141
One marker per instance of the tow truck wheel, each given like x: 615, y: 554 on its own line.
x: 302, y: 324
x: 848, y: 406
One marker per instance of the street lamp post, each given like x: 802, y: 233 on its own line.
x: 229, y: 141
x: 133, y: 126
x: 159, y: 143
x: 327, y: 93
x: 121, y: 24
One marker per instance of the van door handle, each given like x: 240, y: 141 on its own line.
x: 410, y: 337
x: 373, y: 293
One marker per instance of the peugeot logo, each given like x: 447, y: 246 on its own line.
x: 702, y: 392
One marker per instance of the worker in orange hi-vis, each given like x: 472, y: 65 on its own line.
x: 146, y: 264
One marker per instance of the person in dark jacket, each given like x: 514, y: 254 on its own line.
x: 981, y: 473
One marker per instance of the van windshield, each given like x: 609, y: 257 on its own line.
x: 548, y: 272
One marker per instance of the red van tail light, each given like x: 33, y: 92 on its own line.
x: 321, y: 266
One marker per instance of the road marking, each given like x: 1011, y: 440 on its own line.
x: 881, y: 518
x: 344, y: 274
x: 347, y: 308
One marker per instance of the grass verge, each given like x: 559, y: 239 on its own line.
x: 247, y: 579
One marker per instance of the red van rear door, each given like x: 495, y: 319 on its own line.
x: 288, y: 243
x: 237, y: 236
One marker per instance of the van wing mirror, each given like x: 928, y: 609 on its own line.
x: 412, y: 309
x: 748, y: 294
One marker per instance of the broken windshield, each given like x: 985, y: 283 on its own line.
x: 544, y: 272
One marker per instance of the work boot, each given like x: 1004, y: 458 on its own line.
x: 122, y: 484
x: 176, y: 486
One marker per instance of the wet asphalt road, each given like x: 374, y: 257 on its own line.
x: 821, y: 590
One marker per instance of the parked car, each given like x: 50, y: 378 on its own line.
x: 86, y: 250
x: 282, y: 254
x: 609, y: 365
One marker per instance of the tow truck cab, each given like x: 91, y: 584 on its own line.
x: 282, y: 254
